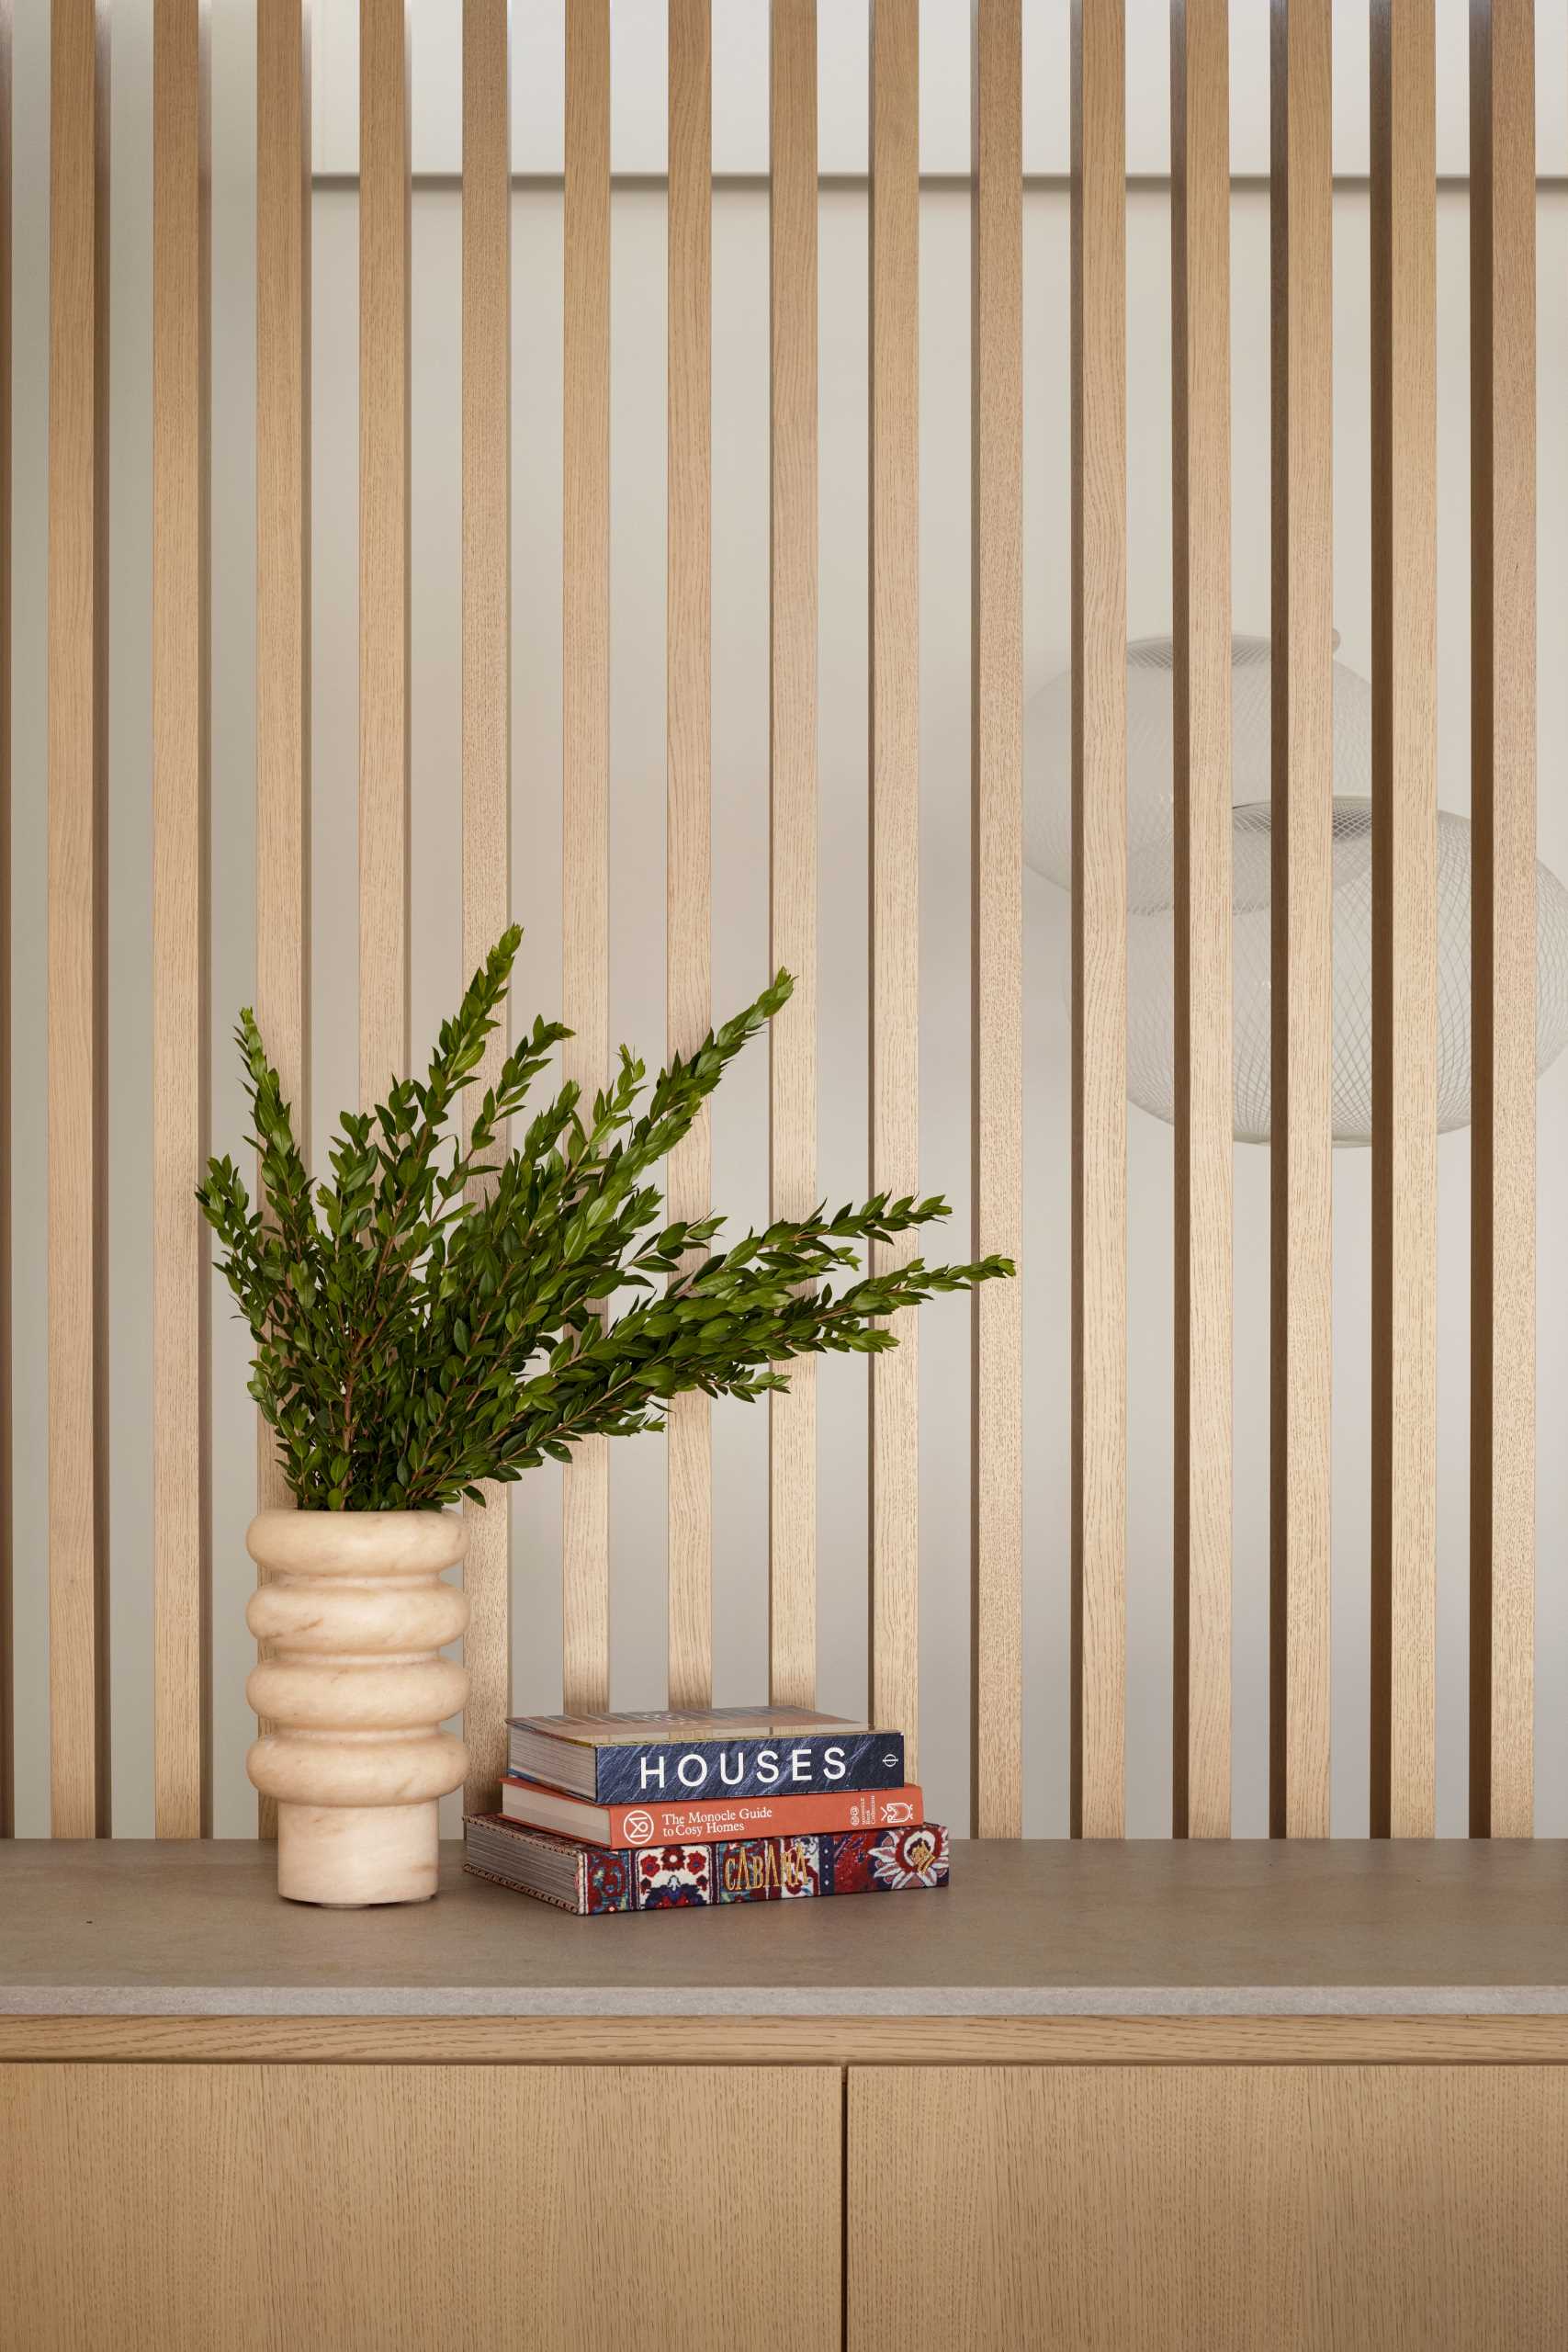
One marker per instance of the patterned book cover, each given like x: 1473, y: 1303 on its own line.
x: 708, y: 1754
x: 659, y: 1824
x: 592, y: 1879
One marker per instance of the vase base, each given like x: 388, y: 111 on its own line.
x: 350, y: 1858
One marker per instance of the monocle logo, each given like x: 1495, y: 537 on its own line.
x: 638, y: 1826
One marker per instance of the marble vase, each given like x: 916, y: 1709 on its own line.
x: 350, y: 1680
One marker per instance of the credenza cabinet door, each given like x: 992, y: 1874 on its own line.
x: 419, y: 2208
x: 1208, y: 2209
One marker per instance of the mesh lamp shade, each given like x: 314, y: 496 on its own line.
x: 1151, y: 994
x: 1151, y: 969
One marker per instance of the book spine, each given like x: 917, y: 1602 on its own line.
x: 773, y: 1870
x: 676, y: 1772
x: 745, y: 1817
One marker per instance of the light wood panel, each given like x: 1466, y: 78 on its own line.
x: 181, y: 833
x: 1201, y: 468
x: 384, y: 274
x: 487, y: 752
x: 197, y: 2209
x: 1415, y: 2209
x: 792, y: 1037
x: 7, y: 1662
x: 689, y: 761
x: 1502, y: 753
x: 78, y: 885
x: 1096, y: 1802
x: 1405, y: 920
x: 1302, y: 1011
x: 585, y: 836
x: 763, y: 2041
x: 997, y: 917
x: 895, y: 763
x: 283, y: 601
x: 283, y: 588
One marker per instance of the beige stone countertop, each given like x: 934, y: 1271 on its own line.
x: 1036, y: 1929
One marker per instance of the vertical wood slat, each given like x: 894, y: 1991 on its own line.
x: 78, y: 1005
x: 585, y: 834
x: 895, y: 766
x: 283, y: 596
x: 283, y: 582
x: 1200, y: 156
x: 487, y: 749
x: 792, y: 1470
x: 1503, y: 721
x: 1404, y: 920
x: 384, y: 190
x: 689, y: 753
x: 1096, y: 1802
x: 7, y: 1655
x: 996, y: 916
x: 1303, y: 1060
x: 181, y: 745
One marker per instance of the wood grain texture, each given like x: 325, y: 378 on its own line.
x: 78, y: 920
x: 487, y: 752
x: 1414, y: 2209
x: 1405, y: 920
x: 1201, y: 469
x: 283, y: 581
x: 1302, y: 922
x: 792, y: 1035
x: 193, y: 2208
x: 385, y: 271
x: 8, y: 1657
x: 283, y: 596
x: 1502, y: 916
x: 764, y: 2040
x: 689, y: 784
x: 895, y: 856
x: 1098, y: 1796
x: 182, y: 1537
x: 997, y: 917
x: 586, y: 832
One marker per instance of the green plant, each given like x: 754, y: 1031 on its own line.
x: 437, y: 1313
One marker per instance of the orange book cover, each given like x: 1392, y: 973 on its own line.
x: 703, y: 1821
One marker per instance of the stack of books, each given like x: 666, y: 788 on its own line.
x: 726, y: 1804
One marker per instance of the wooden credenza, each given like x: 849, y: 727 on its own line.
x: 1155, y: 2096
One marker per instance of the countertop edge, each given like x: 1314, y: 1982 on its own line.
x: 839, y: 2002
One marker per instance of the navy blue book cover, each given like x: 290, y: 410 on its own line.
x: 752, y: 1768
x: 715, y: 1752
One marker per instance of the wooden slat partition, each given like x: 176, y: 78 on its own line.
x: 1303, y: 1074
x: 384, y: 274
x: 1201, y: 464
x: 78, y: 885
x: 792, y: 1489
x: 283, y: 596
x: 689, y: 758
x: 1097, y: 1800
x: 8, y: 1658
x: 895, y: 759
x: 1503, y: 754
x: 1404, y: 920
x: 181, y: 1028
x: 996, y: 915
x: 487, y: 749
x: 585, y: 931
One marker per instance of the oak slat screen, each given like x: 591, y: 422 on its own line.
x: 1043, y: 328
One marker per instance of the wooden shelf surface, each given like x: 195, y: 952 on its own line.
x: 1029, y: 1929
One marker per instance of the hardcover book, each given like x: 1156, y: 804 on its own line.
x: 591, y: 1879
x: 711, y: 1752
x: 658, y: 1823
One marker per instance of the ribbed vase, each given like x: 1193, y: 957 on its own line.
x: 351, y: 1623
